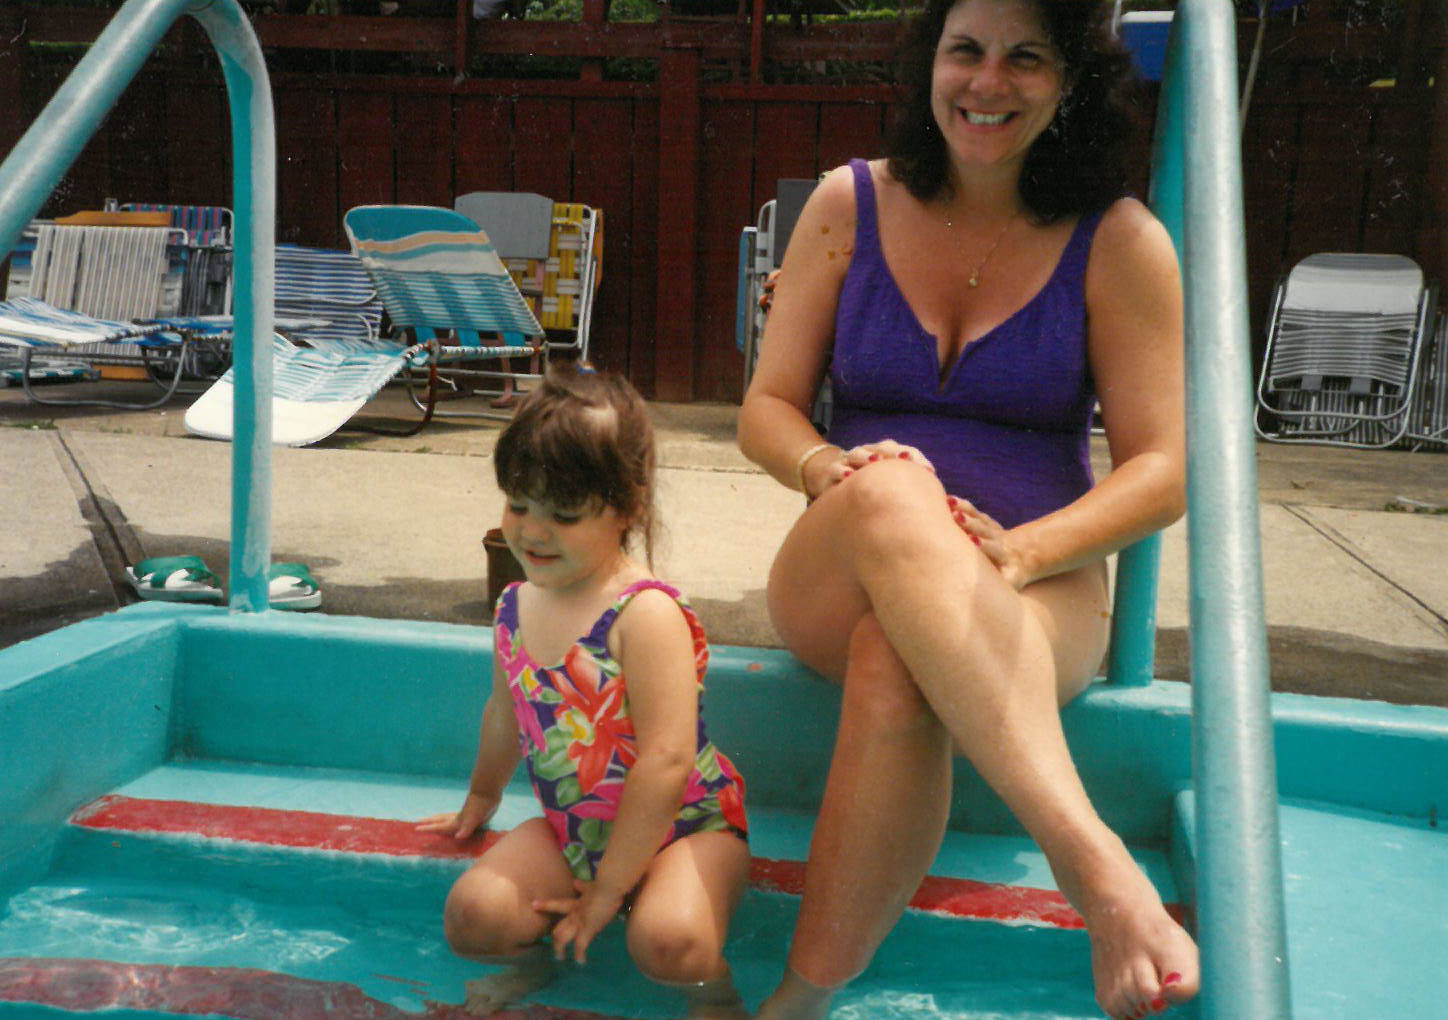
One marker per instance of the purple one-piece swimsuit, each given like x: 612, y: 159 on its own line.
x: 1009, y: 428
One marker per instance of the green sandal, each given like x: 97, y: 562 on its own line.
x: 174, y: 579
x: 293, y: 587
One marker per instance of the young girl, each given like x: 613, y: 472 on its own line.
x: 597, y: 673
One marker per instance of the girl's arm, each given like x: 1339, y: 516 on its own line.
x: 656, y: 650
x: 498, y: 756
x: 774, y: 426
x: 1134, y: 344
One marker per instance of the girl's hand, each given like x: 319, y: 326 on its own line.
x: 994, y: 541
x: 476, y: 811
x: 583, y: 917
x: 766, y: 291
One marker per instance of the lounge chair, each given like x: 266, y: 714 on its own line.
x: 74, y: 285
x: 1343, y: 346
x: 434, y: 273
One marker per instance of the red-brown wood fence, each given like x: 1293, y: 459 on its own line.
x: 680, y: 164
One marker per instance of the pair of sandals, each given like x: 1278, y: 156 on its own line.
x: 187, y: 579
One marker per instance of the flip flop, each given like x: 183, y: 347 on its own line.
x: 293, y: 587
x: 174, y: 579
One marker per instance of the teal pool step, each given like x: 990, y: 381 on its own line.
x: 1367, y: 909
x: 318, y: 875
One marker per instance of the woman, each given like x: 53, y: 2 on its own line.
x: 973, y: 296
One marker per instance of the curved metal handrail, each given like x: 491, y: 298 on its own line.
x: 52, y: 143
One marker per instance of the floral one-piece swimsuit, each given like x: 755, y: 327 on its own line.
x: 578, y: 739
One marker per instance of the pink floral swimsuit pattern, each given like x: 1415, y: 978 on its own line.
x: 578, y: 739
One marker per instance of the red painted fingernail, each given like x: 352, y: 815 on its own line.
x: 903, y: 455
x: 846, y: 473
x: 952, y: 502
x: 874, y: 457
x: 1158, y: 1005
x: 975, y: 539
x: 1171, y: 979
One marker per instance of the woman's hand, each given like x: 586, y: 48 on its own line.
x: 823, y: 472
x: 994, y: 541
x: 583, y: 917
x: 476, y: 811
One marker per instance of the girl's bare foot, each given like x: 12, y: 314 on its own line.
x: 495, y: 992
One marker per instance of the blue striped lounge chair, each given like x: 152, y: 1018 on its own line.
x: 436, y: 282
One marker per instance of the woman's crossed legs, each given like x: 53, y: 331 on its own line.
x: 878, y: 588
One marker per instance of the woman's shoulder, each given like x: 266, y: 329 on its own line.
x: 1127, y: 223
x: 1128, y: 239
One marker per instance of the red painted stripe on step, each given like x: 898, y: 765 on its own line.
x: 306, y: 829
x: 93, y: 985
x: 954, y: 897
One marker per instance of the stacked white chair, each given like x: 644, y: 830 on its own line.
x: 1343, y: 347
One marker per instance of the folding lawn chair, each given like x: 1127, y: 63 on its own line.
x: 761, y: 252
x: 334, y: 361
x: 432, y: 270
x: 110, y: 286
x: 208, y: 232
x: 1428, y: 409
x: 1342, y: 354
x: 440, y: 277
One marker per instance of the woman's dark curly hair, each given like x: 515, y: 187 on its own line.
x: 581, y: 439
x: 1078, y: 164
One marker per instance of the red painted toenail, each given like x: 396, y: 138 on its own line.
x: 1171, y: 979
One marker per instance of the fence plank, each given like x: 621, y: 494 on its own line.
x: 366, y: 155
x: 424, y: 150
x: 729, y: 205
x: 307, y: 207
x: 604, y: 145
x: 483, y: 144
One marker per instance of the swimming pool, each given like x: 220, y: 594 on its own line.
x: 210, y: 812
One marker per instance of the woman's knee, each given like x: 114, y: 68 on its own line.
x: 674, y: 949
x: 878, y: 686
x: 884, y: 501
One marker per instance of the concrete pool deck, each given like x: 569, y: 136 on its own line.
x: 1356, y: 594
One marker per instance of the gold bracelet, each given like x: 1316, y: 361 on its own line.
x: 804, y: 459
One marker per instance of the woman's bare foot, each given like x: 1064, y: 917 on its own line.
x: 1142, y: 960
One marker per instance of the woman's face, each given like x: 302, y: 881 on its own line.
x: 996, y: 83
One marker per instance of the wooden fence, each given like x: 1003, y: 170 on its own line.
x: 680, y: 164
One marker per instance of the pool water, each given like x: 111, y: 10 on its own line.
x: 255, y: 929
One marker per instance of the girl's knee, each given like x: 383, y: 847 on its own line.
x: 671, y: 949
x: 482, y: 918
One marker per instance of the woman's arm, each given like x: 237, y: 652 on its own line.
x: 1134, y: 345
x: 497, y: 758
x: 774, y: 426
x: 656, y: 651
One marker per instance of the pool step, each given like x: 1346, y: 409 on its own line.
x: 985, y: 877
x: 320, y: 877
x: 1367, y: 908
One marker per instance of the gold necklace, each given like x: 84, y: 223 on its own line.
x: 974, y: 279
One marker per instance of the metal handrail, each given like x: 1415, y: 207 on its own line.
x: 35, y: 166
x: 1197, y: 192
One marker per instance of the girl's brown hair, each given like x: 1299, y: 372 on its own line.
x: 583, y: 436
